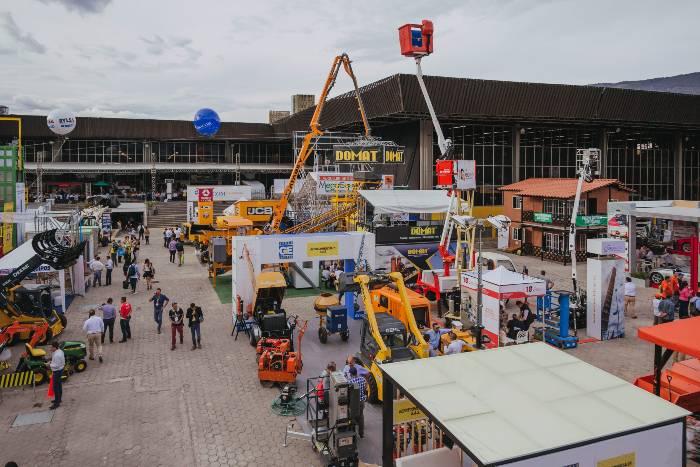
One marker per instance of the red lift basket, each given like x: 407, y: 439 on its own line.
x: 416, y: 39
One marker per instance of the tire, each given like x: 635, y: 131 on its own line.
x: 323, y: 335
x: 345, y: 336
x: 63, y: 319
x: 253, y: 338
x: 372, y: 390
x: 80, y: 366
x: 656, y: 278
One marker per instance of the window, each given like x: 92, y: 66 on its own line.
x: 554, y: 241
x: 517, y: 202
x: 517, y: 233
x: 551, y: 152
x: 563, y: 208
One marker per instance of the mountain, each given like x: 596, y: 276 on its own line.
x: 683, y: 84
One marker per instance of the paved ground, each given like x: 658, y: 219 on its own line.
x: 147, y: 405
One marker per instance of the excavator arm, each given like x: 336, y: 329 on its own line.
x: 420, y: 347
x: 305, y: 151
x: 38, y: 330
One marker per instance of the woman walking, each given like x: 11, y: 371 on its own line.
x: 149, y: 273
x: 683, y: 297
x: 147, y: 235
x: 194, y: 317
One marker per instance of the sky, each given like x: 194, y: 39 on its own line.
x: 167, y: 58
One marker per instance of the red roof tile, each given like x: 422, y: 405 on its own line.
x: 559, y: 187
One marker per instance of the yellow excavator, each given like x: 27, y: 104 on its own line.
x: 385, y: 337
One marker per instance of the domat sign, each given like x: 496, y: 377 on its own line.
x: 352, y: 154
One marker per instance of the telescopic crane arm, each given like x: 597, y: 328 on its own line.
x: 305, y: 151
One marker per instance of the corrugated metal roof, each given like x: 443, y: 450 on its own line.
x: 559, y: 187
x: 399, y: 96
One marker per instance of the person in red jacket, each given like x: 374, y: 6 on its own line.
x: 125, y: 317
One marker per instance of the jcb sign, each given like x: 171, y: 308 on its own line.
x: 259, y: 211
x: 348, y: 154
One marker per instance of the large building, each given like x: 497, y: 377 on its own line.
x: 650, y: 141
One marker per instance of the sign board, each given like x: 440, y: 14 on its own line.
x: 465, y: 175
x: 332, y: 183
x: 406, y: 411
x: 606, y: 246
x: 543, y: 217
x: 605, y: 313
x: 260, y: 210
x: 444, y: 173
x: 387, y: 182
x: 375, y: 154
x: 315, y: 249
x: 408, y: 234
x: 205, y: 212
x: 107, y: 219
x: 220, y: 192
x: 205, y: 194
x: 591, y: 221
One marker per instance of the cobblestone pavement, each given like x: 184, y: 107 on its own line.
x: 148, y: 405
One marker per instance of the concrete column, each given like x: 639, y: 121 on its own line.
x: 425, y: 153
x: 515, y: 141
x: 228, y: 153
x: 603, y: 153
x: 678, y: 165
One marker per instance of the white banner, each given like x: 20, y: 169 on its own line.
x: 465, y: 175
x: 334, y: 182
x: 605, y: 317
x: 221, y: 192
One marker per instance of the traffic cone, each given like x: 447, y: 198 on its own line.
x: 50, y: 393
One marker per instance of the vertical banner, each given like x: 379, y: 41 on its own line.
x: 444, y: 171
x: 465, y: 174
x: 8, y: 230
x: 20, y: 206
x: 88, y: 190
x: 169, y: 188
x: 605, y: 278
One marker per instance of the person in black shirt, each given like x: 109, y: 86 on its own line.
x: 514, y: 326
x: 176, y: 316
x: 194, y: 318
x: 526, y: 315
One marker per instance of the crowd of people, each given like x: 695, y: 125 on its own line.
x: 675, y: 298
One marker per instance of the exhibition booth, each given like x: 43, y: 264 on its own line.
x: 532, y: 406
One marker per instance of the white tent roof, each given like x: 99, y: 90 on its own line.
x: 674, y: 210
x: 16, y: 257
x: 502, y: 276
x: 407, y: 201
x: 507, y: 403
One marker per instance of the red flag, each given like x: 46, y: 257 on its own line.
x: 50, y: 393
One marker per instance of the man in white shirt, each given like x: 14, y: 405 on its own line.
x: 178, y: 232
x: 630, y: 297
x: 96, y: 266
x: 109, y: 266
x: 58, y: 361
x: 455, y: 346
x: 94, y: 327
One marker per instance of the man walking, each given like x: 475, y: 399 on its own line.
x: 630, y: 297
x: 359, y: 382
x: 180, y: 248
x: 172, y: 248
x: 96, y: 267
x: 58, y: 361
x: 133, y: 276
x: 140, y: 230
x: 109, y: 314
x: 194, y: 318
x: 167, y: 234
x: 160, y: 301
x: 109, y: 266
x: 94, y: 328
x: 125, y: 317
x: 176, y: 325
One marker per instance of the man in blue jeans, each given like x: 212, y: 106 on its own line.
x: 159, y: 300
x: 58, y: 361
x: 194, y: 317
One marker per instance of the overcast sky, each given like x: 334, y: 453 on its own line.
x: 167, y: 58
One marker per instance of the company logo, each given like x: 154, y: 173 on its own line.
x: 423, y: 231
x: 357, y: 156
x: 286, y: 250
x: 206, y: 194
x: 393, y: 156
x: 259, y: 210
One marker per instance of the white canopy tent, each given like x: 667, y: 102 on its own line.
x: 407, y: 201
x: 24, y: 253
x: 535, y: 406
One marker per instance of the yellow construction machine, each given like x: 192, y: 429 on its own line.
x: 385, y: 337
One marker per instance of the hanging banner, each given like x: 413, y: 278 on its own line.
x: 379, y: 154
x: 205, y: 194
x: 543, y: 217
x: 408, y: 234
x: 8, y: 231
x: 591, y: 221
x: 334, y: 183
x: 465, y: 175
x: 219, y: 192
x: 20, y: 206
x: 444, y: 173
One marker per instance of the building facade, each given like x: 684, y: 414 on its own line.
x: 649, y: 141
x: 540, y: 210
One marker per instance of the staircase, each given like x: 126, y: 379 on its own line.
x: 174, y: 213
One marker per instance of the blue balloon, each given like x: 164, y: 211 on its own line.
x: 206, y: 122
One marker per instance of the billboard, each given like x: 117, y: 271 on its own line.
x: 408, y: 234
x: 605, y: 317
x: 374, y: 154
x: 334, y: 182
x: 219, y: 192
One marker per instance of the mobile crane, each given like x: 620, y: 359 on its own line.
x: 416, y: 41
x: 19, y: 304
x: 306, y: 147
x: 389, y: 335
